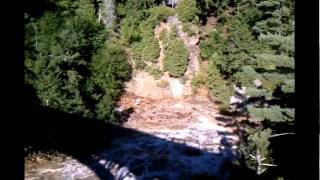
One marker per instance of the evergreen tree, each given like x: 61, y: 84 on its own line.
x: 176, y: 58
x: 254, y: 48
x: 176, y: 54
x: 109, y: 69
x: 187, y: 10
x: 59, y: 48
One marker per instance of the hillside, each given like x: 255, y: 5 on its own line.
x: 202, y: 87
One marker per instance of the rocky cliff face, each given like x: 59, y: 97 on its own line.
x: 144, y: 85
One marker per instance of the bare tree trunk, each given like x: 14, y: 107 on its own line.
x: 259, y: 165
x: 258, y: 159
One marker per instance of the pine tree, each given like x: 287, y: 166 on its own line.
x: 176, y: 58
x: 59, y: 50
x: 187, y: 10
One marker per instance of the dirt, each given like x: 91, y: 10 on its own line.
x: 209, y: 26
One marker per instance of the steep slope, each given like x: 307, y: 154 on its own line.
x: 144, y: 85
x: 181, y: 135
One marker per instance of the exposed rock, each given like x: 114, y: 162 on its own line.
x: 240, y: 90
x: 144, y: 85
x: 239, y: 99
x: 172, y: 2
x: 257, y: 83
x: 236, y: 100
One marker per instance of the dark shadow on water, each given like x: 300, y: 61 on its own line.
x: 81, y: 138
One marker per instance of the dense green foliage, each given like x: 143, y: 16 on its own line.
x: 109, y: 69
x: 62, y: 63
x: 176, y: 54
x: 187, y: 10
x: 199, y: 80
x: 137, y: 31
x: 207, y: 7
x: 176, y: 58
x: 78, y: 66
x: 255, y: 43
x: 146, y: 50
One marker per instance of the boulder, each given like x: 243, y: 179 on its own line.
x: 257, y: 83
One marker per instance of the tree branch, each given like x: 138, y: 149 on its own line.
x: 263, y: 170
x: 252, y: 156
x: 281, y: 134
x: 268, y: 164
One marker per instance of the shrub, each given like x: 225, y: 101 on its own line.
x: 146, y: 50
x: 151, y: 49
x: 199, y: 80
x: 139, y: 64
x: 158, y: 14
x: 187, y: 10
x: 218, y: 86
x: 155, y: 72
x: 176, y: 58
x: 189, y: 29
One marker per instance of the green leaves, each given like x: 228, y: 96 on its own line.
x: 235, y: 49
x: 176, y: 58
x: 270, y: 4
x: 279, y: 43
x: 273, y: 114
x: 250, y: 15
x: 271, y: 61
x: 187, y: 10
x: 288, y: 86
x: 198, y: 80
x: 218, y: 86
x: 146, y: 50
x: 261, y: 140
x: 254, y: 43
x: 158, y: 14
x: 129, y: 29
x: 110, y: 69
x: 60, y: 46
x: 246, y: 76
x: 254, y: 92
